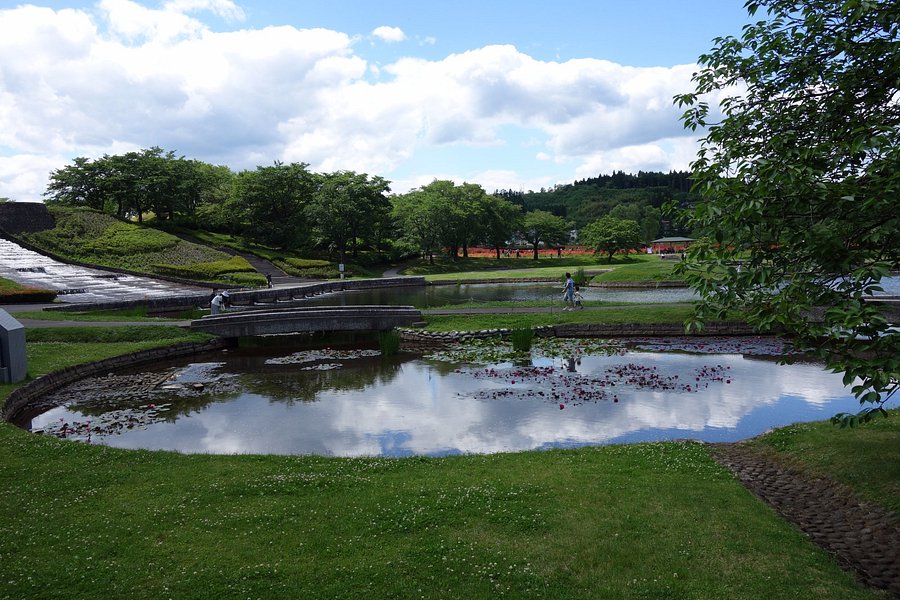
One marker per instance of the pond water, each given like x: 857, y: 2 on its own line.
x: 468, y: 294
x: 351, y: 401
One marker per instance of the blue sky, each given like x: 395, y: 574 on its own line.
x: 519, y: 95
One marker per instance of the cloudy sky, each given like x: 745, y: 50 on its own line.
x: 517, y: 94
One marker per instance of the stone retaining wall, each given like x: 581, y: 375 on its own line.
x: 18, y: 401
x: 25, y: 217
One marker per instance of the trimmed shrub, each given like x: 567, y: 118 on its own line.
x: 236, y: 270
x: 26, y: 295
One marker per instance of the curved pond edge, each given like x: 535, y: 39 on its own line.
x: 20, y: 399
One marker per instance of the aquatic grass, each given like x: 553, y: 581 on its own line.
x: 389, y: 342
x: 645, y: 521
x: 521, y: 339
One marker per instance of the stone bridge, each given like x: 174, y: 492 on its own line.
x: 308, y: 319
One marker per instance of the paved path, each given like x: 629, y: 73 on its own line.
x: 862, y: 536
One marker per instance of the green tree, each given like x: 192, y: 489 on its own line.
x: 273, y: 201
x: 78, y: 184
x: 799, y: 177
x: 540, y: 226
x: 502, y: 219
x: 418, y: 216
x: 611, y: 235
x: 346, y: 208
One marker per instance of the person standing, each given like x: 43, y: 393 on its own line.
x: 569, y: 292
x: 215, y: 305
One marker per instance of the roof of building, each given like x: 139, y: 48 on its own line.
x: 673, y: 239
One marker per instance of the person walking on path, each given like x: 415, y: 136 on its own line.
x: 569, y: 292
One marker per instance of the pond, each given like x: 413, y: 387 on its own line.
x: 467, y: 294
x: 351, y: 401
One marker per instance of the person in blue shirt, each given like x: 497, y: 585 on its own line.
x: 569, y: 292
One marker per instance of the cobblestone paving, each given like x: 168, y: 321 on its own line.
x: 864, y: 537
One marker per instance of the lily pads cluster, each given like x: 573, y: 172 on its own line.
x: 495, y: 350
x: 106, y: 424
x: 750, y: 346
x: 557, y: 385
x: 326, y: 354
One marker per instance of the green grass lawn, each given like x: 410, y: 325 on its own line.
x: 624, y: 268
x: 655, y: 313
x: 137, y: 314
x: 644, y: 521
x: 638, y: 267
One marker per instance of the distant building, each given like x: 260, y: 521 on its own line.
x: 669, y: 245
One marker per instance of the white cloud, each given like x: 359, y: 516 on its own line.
x: 389, y: 34
x: 79, y: 83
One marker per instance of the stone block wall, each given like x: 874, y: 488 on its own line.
x: 24, y: 217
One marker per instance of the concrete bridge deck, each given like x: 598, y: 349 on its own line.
x: 308, y: 319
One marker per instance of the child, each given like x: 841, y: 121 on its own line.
x: 578, y: 298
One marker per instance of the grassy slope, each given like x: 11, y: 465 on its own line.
x: 864, y: 458
x: 97, y: 238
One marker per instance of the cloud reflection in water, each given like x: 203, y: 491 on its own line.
x: 409, y: 407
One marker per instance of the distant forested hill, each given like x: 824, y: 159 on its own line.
x: 639, y: 197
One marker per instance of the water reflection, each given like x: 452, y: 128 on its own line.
x: 406, y: 405
x: 442, y: 295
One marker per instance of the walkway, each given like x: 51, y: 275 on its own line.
x: 862, y: 536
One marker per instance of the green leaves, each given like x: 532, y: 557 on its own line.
x: 800, y: 182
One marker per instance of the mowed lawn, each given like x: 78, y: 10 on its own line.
x: 649, y: 521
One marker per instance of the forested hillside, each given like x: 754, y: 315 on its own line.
x: 626, y: 196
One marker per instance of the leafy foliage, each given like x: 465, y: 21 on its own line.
x: 800, y: 179
x: 611, y: 235
x: 543, y: 227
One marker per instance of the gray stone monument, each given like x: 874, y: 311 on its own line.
x: 13, y: 363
